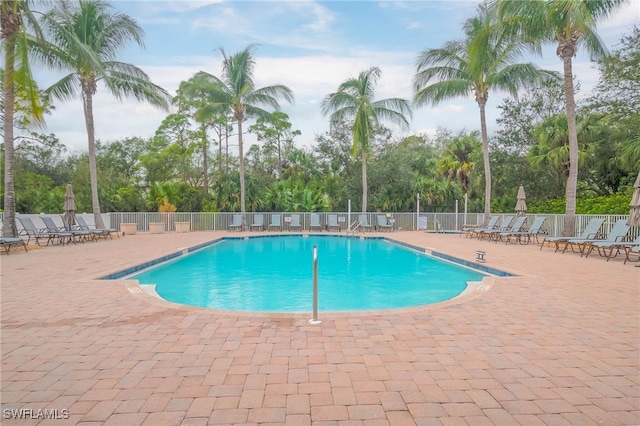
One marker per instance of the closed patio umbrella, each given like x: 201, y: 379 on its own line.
x: 521, y: 204
x: 69, y: 217
x: 634, y: 214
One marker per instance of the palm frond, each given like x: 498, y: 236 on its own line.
x: 442, y: 91
x: 64, y: 89
x: 124, y: 83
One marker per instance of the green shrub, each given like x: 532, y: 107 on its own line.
x: 613, y: 204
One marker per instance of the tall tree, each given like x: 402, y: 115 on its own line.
x: 87, y: 38
x: 482, y: 61
x: 354, y: 101
x: 571, y: 24
x: 236, y: 91
x: 16, y: 19
x: 617, y: 94
x: 274, y: 131
x: 457, y: 161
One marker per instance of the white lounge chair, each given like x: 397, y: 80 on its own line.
x: 276, y: 222
x: 590, y: 231
x: 236, y: 223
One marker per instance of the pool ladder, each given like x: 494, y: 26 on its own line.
x: 353, y: 228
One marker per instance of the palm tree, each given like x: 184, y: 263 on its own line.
x: 552, y: 142
x: 482, y: 61
x: 236, y: 92
x: 571, y: 24
x: 87, y: 38
x: 457, y: 160
x: 354, y: 100
x: 16, y: 18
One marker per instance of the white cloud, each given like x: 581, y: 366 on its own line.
x: 225, y: 20
x: 624, y: 17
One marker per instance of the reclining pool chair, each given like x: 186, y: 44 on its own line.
x: 258, y: 222
x: 276, y: 221
x: 315, y: 222
x: 236, y: 223
x: 618, y: 246
x: 99, y: 232
x: 363, y: 223
x: 383, y: 225
x: 332, y: 223
x: 516, y: 226
x: 491, y: 225
x: 8, y: 242
x: 505, y: 226
x: 533, y: 231
x: 590, y: 231
x: 78, y: 233
x: 71, y: 236
x: 617, y: 234
x: 295, y: 222
x: 32, y: 232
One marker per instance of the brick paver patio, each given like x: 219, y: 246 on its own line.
x: 557, y: 344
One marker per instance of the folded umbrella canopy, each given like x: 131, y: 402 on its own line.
x: 69, y: 217
x: 521, y: 204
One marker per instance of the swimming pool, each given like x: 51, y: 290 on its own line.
x: 274, y: 274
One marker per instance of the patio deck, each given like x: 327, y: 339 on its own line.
x: 557, y: 344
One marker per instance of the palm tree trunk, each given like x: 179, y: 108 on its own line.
x: 87, y: 101
x: 9, y: 220
x: 485, y: 157
x: 241, y: 155
x: 205, y: 160
x: 572, y: 179
x: 364, y: 181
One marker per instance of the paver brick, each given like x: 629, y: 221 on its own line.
x: 552, y: 345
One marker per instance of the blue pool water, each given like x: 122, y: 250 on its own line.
x: 275, y: 274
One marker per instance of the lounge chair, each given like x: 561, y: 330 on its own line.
x: 533, y: 231
x: 590, y: 231
x: 99, y: 232
x: 383, y: 224
x: 78, y: 232
x: 32, y: 232
x: 315, y: 222
x: 505, y: 226
x: 618, y: 246
x: 617, y: 235
x: 632, y: 251
x: 363, y: 223
x: 7, y: 242
x: 258, y: 222
x: 295, y: 222
x: 491, y: 225
x: 276, y: 221
x: 516, y: 226
x: 236, y: 223
x: 332, y: 222
x: 70, y: 236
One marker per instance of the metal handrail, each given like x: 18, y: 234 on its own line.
x: 315, y: 320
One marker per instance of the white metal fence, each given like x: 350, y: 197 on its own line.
x: 433, y: 222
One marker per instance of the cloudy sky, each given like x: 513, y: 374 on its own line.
x: 309, y: 46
